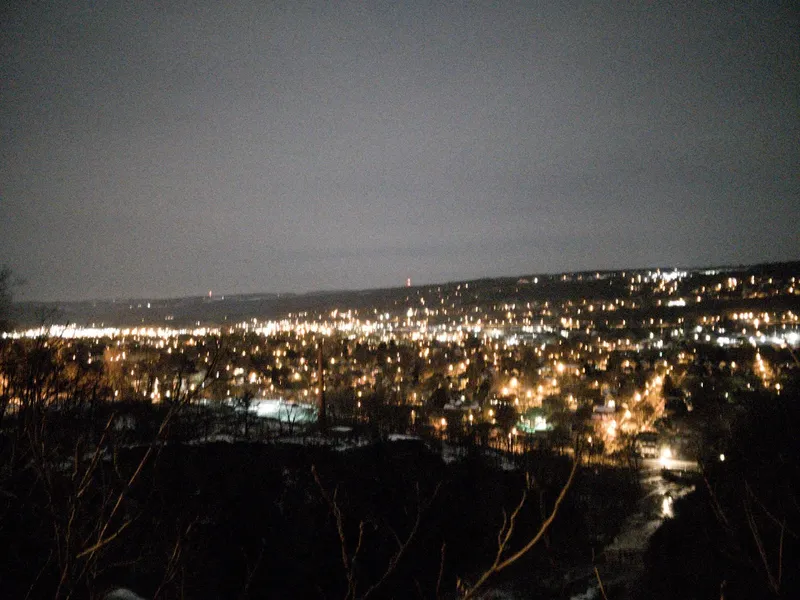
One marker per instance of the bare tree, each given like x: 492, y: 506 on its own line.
x: 6, y: 284
x: 350, y: 556
x: 504, y: 557
x: 84, y: 468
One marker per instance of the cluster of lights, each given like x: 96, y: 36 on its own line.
x: 434, y: 325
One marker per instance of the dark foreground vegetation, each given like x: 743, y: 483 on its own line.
x: 224, y: 520
x: 738, y: 535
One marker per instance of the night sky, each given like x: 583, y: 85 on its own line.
x: 174, y: 148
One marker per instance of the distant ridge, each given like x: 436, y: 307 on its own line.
x: 235, y: 308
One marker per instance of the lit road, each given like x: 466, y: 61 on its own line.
x: 623, y: 556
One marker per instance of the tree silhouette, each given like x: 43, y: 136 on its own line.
x: 6, y: 285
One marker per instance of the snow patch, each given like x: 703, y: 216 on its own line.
x: 397, y: 437
x: 589, y: 594
x: 210, y: 439
x: 122, y: 594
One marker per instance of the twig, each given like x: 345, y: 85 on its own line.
x: 600, y: 583
x: 441, y: 570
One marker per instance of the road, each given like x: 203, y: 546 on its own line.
x: 622, y: 559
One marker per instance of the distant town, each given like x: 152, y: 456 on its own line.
x: 625, y: 358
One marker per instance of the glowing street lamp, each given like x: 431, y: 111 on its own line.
x: 666, y: 457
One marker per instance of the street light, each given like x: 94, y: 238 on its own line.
x: 666, y: 457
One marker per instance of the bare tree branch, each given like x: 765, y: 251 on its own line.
x: 501, y: 561
x: 348, y: 561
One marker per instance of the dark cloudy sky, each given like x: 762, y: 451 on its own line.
x: 169, y: 148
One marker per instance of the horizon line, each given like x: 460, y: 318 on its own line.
x: 221, y: 296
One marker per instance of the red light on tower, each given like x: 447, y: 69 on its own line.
x: 209, y: 293
x: 408, y: 282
